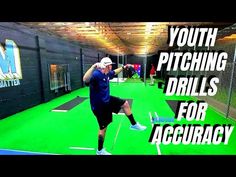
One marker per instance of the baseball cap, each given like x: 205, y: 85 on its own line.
x: 106, y: 61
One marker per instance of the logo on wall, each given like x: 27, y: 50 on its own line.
x: 10, y: 66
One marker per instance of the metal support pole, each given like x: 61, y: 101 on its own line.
x: 123, y: 63
x: 117, y: 67
x: 145, y: 69
x: 82, y: 66
x: 231, y: 84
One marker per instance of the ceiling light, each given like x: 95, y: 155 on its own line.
x: 87, y: 23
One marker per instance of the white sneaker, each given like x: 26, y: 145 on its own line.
x: 103, y: 152
x: 138, y: 126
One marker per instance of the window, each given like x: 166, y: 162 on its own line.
x: 58, y: 74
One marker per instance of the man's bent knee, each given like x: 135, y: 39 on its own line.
x: 126, y: 104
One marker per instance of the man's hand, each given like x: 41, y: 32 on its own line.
x: 127, y: 66
x: 87, y: 75
x: 96, y: 65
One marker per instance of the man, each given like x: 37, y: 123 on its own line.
x: 102, y: 104
x: 152, y: 74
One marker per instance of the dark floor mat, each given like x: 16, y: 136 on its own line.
x: 174, y: 104
x: 69, y: 105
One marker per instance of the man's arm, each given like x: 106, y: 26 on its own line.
x: 89, y: 72
x: 118, y: 70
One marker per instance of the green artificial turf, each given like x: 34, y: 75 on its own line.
x: 38, y: 129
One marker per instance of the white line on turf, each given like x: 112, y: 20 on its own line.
x: 120, y: 113
x: 156, y: 114
x: 117, y: 132
x: 83, y: 148
x: 59, y: 110
x: 14, y: 150
x: 158, y: 147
